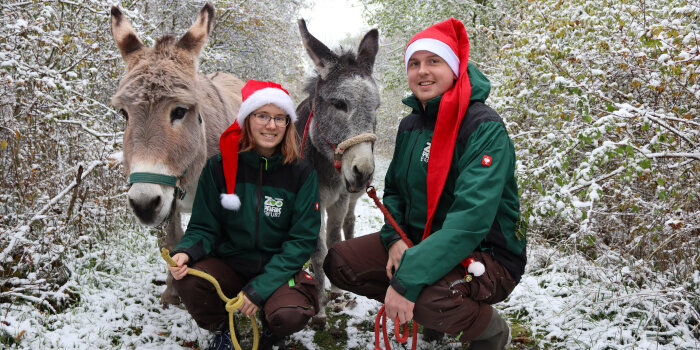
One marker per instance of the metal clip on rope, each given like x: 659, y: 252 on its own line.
x: 232, y: 304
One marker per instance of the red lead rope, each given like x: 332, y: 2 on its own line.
x: 336, y: 161
x: 401, y: 337
x: 306, y: 132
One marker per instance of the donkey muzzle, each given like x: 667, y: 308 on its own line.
x: 358, y: 167
x: 150, y: 203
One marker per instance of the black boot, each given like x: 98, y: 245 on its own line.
x: 430, y: 334
x: 269, y: 340
x: 496, y: 335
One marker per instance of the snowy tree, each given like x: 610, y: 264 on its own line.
x: 61, y: 192
x: 601, y: 99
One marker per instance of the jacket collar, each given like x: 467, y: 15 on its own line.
x: 255, y: 160
x: 431, y: 107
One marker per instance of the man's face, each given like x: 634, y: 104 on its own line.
x: 429, y: 75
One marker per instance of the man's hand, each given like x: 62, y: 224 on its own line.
x: 180, y: 270
x: 248, y: 308
x: 396, y: 305
x: 395, y: 253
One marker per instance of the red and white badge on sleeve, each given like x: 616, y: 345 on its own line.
x: 486, y: 160
x: 316, y: 206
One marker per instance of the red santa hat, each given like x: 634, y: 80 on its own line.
x: 259, y: 93
x: 228, y: 144
x: 255, y: 95
x: 447, y: 39
x: 439, y: 39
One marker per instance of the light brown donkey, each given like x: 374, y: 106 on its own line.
x: 174, y: 117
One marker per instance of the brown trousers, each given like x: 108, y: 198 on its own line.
x: 286, y: 311
x: 450, y: 305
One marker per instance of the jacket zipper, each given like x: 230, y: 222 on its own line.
x: 257, y: 221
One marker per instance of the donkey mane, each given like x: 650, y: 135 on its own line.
x: 159, y: 76
x: 164, y: 43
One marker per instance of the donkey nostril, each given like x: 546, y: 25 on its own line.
x: 145, y: 209
x: 155, y: 202
x: 356, y: 171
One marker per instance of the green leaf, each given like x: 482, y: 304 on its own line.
x: 645, y: 164
x: 609, y: 106
x: 590, y: 239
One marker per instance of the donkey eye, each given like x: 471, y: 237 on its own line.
x: 340, y: 105
x: 177, y: 113
x: 124, y: 113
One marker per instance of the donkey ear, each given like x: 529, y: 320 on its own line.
x: 197, y: 35
x: 322, y: 56
x: 368, y: 49
x: 124, y: 36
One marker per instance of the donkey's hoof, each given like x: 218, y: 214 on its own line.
x: 318, y: 323
x: 336, y: 295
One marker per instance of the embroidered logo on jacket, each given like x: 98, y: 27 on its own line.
x: 486, y: 160
x: 273, y: 207
x: 426, y: 153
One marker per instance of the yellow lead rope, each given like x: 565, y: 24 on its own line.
x: 231, y: 304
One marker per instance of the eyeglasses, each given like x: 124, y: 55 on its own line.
x: 264, y: 118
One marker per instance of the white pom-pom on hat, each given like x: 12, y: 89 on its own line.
x: 474, y: 267
x: 230, y: 201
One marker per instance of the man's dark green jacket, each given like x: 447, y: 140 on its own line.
x: 273, y: 233
x: 479, y: 207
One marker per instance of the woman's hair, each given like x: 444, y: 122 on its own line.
x: 289, y: 145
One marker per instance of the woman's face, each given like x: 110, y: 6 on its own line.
x: 429, y: 76
x: 268, y: 125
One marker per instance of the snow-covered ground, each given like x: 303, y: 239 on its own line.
x: 567, y: 301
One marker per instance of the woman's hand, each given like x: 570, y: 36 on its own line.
x: 248, y: 308
x: 180, y: 270
x: 395, y: 253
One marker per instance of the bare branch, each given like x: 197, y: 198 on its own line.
x: 669, y: 128
x: 672, y: 155
x: 89, y: 131
x: 22, y: 229
x: 598, y: 179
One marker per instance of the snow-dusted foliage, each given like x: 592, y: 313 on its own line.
x: 62, y: 188
x: 59, y: 192
x: 602, y: 101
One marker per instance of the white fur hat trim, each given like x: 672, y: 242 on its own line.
x: 437, y: 47
x: 265, y: 96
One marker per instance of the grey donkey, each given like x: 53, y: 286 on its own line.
x: 174, y: 117
x: 339, y: 139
